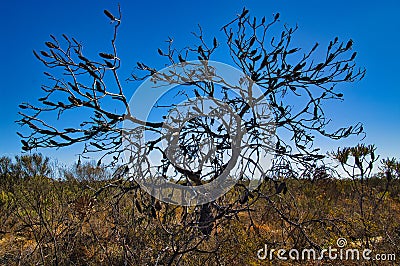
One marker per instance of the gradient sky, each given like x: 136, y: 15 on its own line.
x: 373, y: 25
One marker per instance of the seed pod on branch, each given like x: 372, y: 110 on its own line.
x: 50, y: 45
x: 107, y: 56
x: 109, y: 15
x: 45, y: 54
x: 349, y: 44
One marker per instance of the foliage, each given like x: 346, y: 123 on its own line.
x: 66, y: 221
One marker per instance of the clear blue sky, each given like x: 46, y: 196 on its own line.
x: 373, y: 25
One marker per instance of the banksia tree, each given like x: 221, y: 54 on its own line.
x: 293, y: 83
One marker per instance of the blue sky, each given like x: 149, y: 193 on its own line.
x: 373, y: 25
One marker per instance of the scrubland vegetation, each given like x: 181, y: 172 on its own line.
x: 85, y: 216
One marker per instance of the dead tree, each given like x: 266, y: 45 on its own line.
x: 294, y: 83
